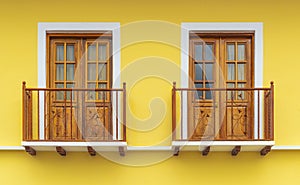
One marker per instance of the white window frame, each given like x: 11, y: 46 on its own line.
x: 43, y: 27
x: 257, y: 27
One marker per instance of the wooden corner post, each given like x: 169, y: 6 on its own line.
x: 272, y: 112
x: 23, y: 111
x: 124, y: 111
x: 174, y: 111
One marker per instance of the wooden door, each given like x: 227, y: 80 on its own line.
x: 220, y: 61
x: 203, y: 110
x: 97, y: 104
x: 238, y: 116
x: 62, y: 115
x: 80, y: 63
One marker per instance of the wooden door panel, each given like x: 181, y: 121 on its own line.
x: 97, y: 123
x: 237, y: 123
x: 62, y: 126
x: 204, y: 123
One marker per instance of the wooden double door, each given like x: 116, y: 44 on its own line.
x: 218, y: 62
x: 80, y: 62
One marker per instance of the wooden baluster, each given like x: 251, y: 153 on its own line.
x: 258, y: 113
x: 38, y: 115
x: 65, y: 114
x: 117, y: 114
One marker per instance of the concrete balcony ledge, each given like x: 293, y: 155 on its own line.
x: 216, y: 146
x: 63, y: 147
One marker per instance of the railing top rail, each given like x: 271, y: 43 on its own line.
x: 71, y: 89
x: 223, y: 89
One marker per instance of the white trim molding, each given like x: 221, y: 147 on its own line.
x: 215, y: 26
x: 43, y: 27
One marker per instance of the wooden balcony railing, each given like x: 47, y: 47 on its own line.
x: 74, y: 114
x: 224, y: 114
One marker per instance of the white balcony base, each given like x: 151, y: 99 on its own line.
x: 74, y: 146
x: 221, y: 145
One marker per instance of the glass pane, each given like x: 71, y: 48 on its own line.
x: 241, y: 71
x: 101, y: 86
x: 198, y: 52
x: 92, y: 52
x: 230, y: 72
x: 208, y: 94
x: 70, y: 52
x: 102, y: 52
x: 70, y: 72
x: 60, y: 52
x: 209, y: 54
x: 241, y: 51
x: 91, y: 72
x: 59, y: 94
x: 198, y: 94
x: 230, y: 94
x: 230, y: 51
x: 102, y: 72
x: 92, y: 85
x: 59, y: 72
x: 209, y: 71
x: 241, y: 94
x: 70, y: 86
x: 198, y: 72
x: 91, y: 94
x: 102, y: 94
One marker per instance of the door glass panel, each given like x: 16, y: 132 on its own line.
x: 209, y: 52
x: 230, y: 94
x: 92, y: 52
x: 198, y: 94
x: 102, y: 94
x: 241, y: 51
x: 241, y: 94
x: 70, y: 52
x: 209, y: 71
x: 230, y: 51
x: 102, y: 52
x: 59, y: 94
x: 198, y: 72
x: 241, y: 71
x: 91, y: 72
x: 208, y: 94
x: 102, y: 72
x: 60, y: 52
x: 91, y: 94
x: 70, y: 86
x: 230, y: 72
x: 70, y: 72
x: 59, y: 72
x: 198, y: 52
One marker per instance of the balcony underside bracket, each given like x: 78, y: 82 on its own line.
x: 30, y: 150
x: 61, y: 151
x: 176, y: 151
x: 91, y: 151
x: 206, y: 151
x: 122, y: 151
x: 235, y: 150
x: 265, y: 150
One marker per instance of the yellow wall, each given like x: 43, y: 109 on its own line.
x: 18, y: 59
x: 189, y: 168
